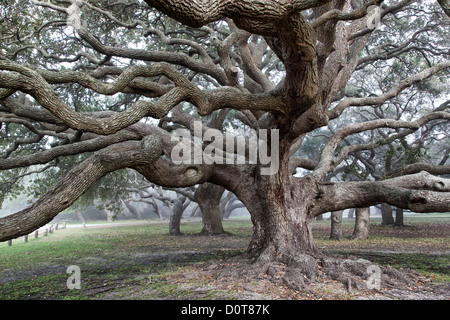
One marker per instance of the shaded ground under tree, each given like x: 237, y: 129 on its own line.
x: 198, y: 267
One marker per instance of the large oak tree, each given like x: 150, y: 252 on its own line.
x: 87, y: 79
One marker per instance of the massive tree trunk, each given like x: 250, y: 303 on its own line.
x: 280, y: 209
x: 283, y: 208
x: 208, y: 198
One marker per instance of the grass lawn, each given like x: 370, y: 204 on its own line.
x: 134, y: 260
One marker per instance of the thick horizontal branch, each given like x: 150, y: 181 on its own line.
x: 296, y: 162
x: 420, y: 181
x: 30, y: 81
x: 126, y: 80
x: 66, y: 150
x: 197, y: 13
x: 165, y: 173
x: 235, y: 99
x: 420, y: 166
x: 77, y: 181
x: 421, y: 192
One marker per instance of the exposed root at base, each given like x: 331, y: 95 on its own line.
x: 355, y: 275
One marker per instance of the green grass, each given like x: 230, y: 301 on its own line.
x: 43, y: 286
x: 436, y: 267
x: 106, y: 258
x: 119, y: 261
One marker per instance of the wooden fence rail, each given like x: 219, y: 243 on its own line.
x: 46, y: 232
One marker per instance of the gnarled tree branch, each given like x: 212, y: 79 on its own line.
x: 77, y: 181
x: 328, y: 162
x: 420, y: 192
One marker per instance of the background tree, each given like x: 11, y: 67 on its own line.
x: 361, y: 230
x: 286, y: 66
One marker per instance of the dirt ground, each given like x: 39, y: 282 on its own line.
x: 202, y: 282
x: 263, y: 288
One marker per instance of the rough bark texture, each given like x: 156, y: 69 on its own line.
x: 336, y: 225
x: 282, y: 225
x: 76, y: 182
x: 361, y: 230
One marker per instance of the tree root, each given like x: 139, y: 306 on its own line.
x: 362, y: 275
x: 355, y: 275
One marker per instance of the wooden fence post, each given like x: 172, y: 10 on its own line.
x: 36, y: 234
x: 9, y: 242
x: 25, y: 238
